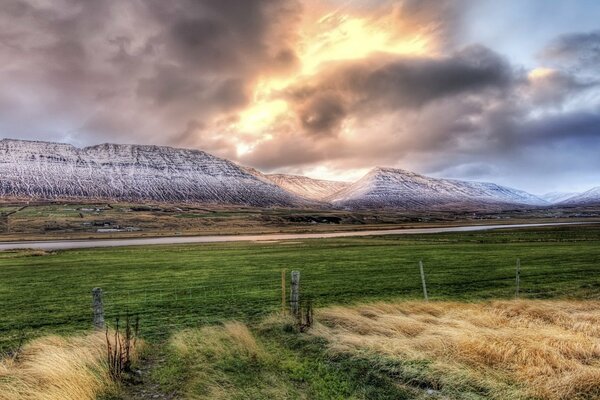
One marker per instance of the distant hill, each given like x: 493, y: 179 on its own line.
x: 557, y: 197
x: 396, y: 188
x: 591, y: 197
x: 315, y: 189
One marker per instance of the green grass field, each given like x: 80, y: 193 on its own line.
x: 186, y: 285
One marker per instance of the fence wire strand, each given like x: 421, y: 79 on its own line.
x: 163, y: 309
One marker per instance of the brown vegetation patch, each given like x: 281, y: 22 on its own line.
x: 58, y: 368
x: 511, y: 349
x: 55, y: 368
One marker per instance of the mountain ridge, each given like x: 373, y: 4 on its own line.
x: 557, y: 197
x: 53, y: 171
x: 384, y: 187
x: 50, y: 171
x: 588, y: 197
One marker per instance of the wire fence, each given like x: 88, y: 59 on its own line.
x: 250, y: 297
x: 161, y: 309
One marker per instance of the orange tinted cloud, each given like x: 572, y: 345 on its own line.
x: 328, y: 86
x: 331, y: 35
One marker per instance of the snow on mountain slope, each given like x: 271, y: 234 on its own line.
x: 396, y: 188
x: 592, y: 196
x: 314, y: 189
x: 557, y: 197
x: 42, y: 170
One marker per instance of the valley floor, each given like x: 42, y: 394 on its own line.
x: 209, y: 318
x: 189, y: 284
x: 53, y: 245
x: 51, y: 221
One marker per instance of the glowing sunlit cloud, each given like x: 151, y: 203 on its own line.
x: 260, y: 115
x: 339, y: 37
x: 327, y: 173
x: 540, y: 73
x: 333, y: 37
x: 328, y: 37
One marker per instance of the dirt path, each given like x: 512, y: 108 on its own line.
x: 142, y: 387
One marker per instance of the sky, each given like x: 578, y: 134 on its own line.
x: 503, y: 91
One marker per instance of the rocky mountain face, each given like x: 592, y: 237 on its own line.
x: 54, y: 171
x: 399, y: 189
x: 313, y: 189
x: 590, y: 197
x: 40, y: 170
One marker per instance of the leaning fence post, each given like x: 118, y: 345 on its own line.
x: 98, y: 308
x: 423, y: 280
x: 295, y: 295
x: 518, y: 278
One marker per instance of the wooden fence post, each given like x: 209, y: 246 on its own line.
x: 295, y: 295
x: 423, y: 280
x: 98, y: 308
x: 518, y: 278
x: 283, y: 306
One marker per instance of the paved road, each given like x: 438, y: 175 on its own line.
x: 88, y: 243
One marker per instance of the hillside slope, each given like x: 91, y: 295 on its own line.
x: 41, y: 170
x: 396, y: 188
x: 314, y: 189
x: 557, y: 197
x: 590, y: 197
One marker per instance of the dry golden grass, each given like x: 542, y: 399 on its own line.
x: 511, y: 349
x: 207, y: 348
x: 57, y: 368
x: 225, y: 362
x: 216, y: 342
x: 23, y: 253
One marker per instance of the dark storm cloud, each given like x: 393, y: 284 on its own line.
x: 578, y: 127
x: 540, y: 154
x: 230, y: 34
x: 322, y: 113
x: 224, y: 43
x: 554, y: 87
x: 387, y: 84
x: 523, y: 146
x: 85, y: 68
x: 578, y: 50
x: 412, y: 83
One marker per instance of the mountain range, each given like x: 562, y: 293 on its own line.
x: 55, y: 171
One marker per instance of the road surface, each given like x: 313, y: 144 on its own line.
x: 90, y: 243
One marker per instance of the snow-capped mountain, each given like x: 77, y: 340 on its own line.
x: 592, y: 196
x: 54, y: 171
x: 41, y: 170
x: 396, y: 188
x: 557, y: 197
x: 314, y: 189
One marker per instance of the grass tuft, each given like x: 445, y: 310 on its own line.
x: 56, y: 368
